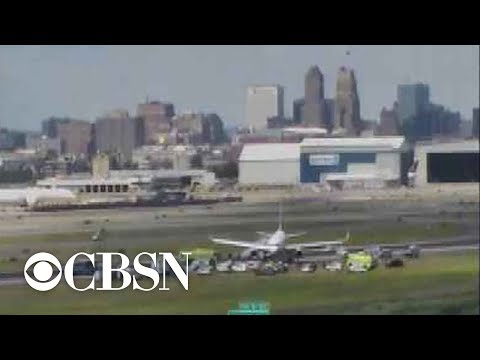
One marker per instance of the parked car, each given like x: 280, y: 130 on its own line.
x: 83, y: 268
x: 395, y: 262
x: 413, y: 251
x: 308, y: 267
x: 239, y: 266
x: 253, y: 264
x: 334, y: 266
x: 225, y: 266
x: 266, y: 269
x: 204, y: 270
x: 280, y: 267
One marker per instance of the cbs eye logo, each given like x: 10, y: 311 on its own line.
x: 42, y: 271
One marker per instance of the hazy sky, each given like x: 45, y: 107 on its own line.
x: 86, y: 81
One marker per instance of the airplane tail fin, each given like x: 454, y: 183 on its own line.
x: 280, y: 216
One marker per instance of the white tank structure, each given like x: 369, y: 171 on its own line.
x: 31, y: 196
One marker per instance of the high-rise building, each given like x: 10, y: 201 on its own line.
x: 329, y: 113
x: 347, y: 104
x: 198, y: 128
x: 50, y: 126
x: 216, y: 132
x: 466, y: 129
x: 279, y: 122
x: 12, y: 139
x: 443, y: 122
x: 389, y: 124
x: 75, y: 137
x: 263, y: 102
x: 42, y: 144
x: 116, y: 133
x: 298, y: 107
x: 475, y: 123
x: 314, y: 108
x: 157, y: 120
x: 412, y: 99
x: 433, y: 121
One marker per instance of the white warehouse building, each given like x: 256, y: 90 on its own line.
x: 269, y: 164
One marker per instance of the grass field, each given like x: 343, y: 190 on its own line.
x: 432, y: 284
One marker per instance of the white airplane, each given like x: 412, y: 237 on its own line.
x: 271, y: 243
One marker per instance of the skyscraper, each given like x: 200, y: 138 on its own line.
x: 116, y: 133
x: 347, y: 104
x: 298, y: 107
x: 199, y: 128
x: 412, y: 100
x: 314, y: 108
x: 216, y: 132
x: 329, y: 113
x: 475, y: 123
x: 157, y: 119
x: 263, y: 102
x: 50, y: 126
x: 75, y: 137
x: 389, y: 124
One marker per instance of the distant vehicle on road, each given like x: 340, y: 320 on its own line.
x: 413, y: 251
x: 239, y: 266
x: 280, y: 267
x: 308, y: 267
x: 83, y: 268
x: 131, y: 270
x: 360, y: 262
x: 253, y: 264
x: 395, y: 262
x: 267, y: 269
x: 334, y: 266
x: 204, y: 270
x: 225, y: 266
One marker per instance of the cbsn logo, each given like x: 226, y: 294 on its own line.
x: 43, y: 271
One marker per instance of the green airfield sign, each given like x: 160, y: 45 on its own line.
x: 251, y: 308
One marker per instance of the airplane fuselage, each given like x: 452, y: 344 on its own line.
x: 277, y: 239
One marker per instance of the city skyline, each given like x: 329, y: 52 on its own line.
x: 84, y: 82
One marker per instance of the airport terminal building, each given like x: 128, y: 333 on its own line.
x: 339, y: 162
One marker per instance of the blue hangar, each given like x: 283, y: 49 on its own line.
x: 383, y: 160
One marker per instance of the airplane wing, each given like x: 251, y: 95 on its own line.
x: 243, y: 244
x: 296, y: 234
x: 318, y: 244
x: 313, y: 244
